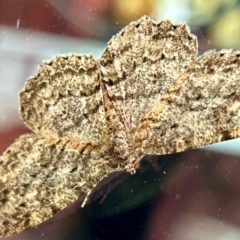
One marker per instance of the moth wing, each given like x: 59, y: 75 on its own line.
x: 64, y: 100
x: 39, y: 178
x: 137, y: 67
x: 202, y: 107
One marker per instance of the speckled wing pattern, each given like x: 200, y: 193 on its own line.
x: 64, y: 101
x: 137, y: 67
x: 148, y: 94
x: 39, y: 178
x: 42, y: 173
x: 201, y: 107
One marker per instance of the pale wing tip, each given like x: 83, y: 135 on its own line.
x: 157, y: 23
x: 19, y: 142
x: 223, y: 53
x: 163, y: 28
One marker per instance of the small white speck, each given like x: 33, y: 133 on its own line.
x: 178, y: 196
x: 18, y: 23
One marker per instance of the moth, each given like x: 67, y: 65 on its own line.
x: 149, y: 93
